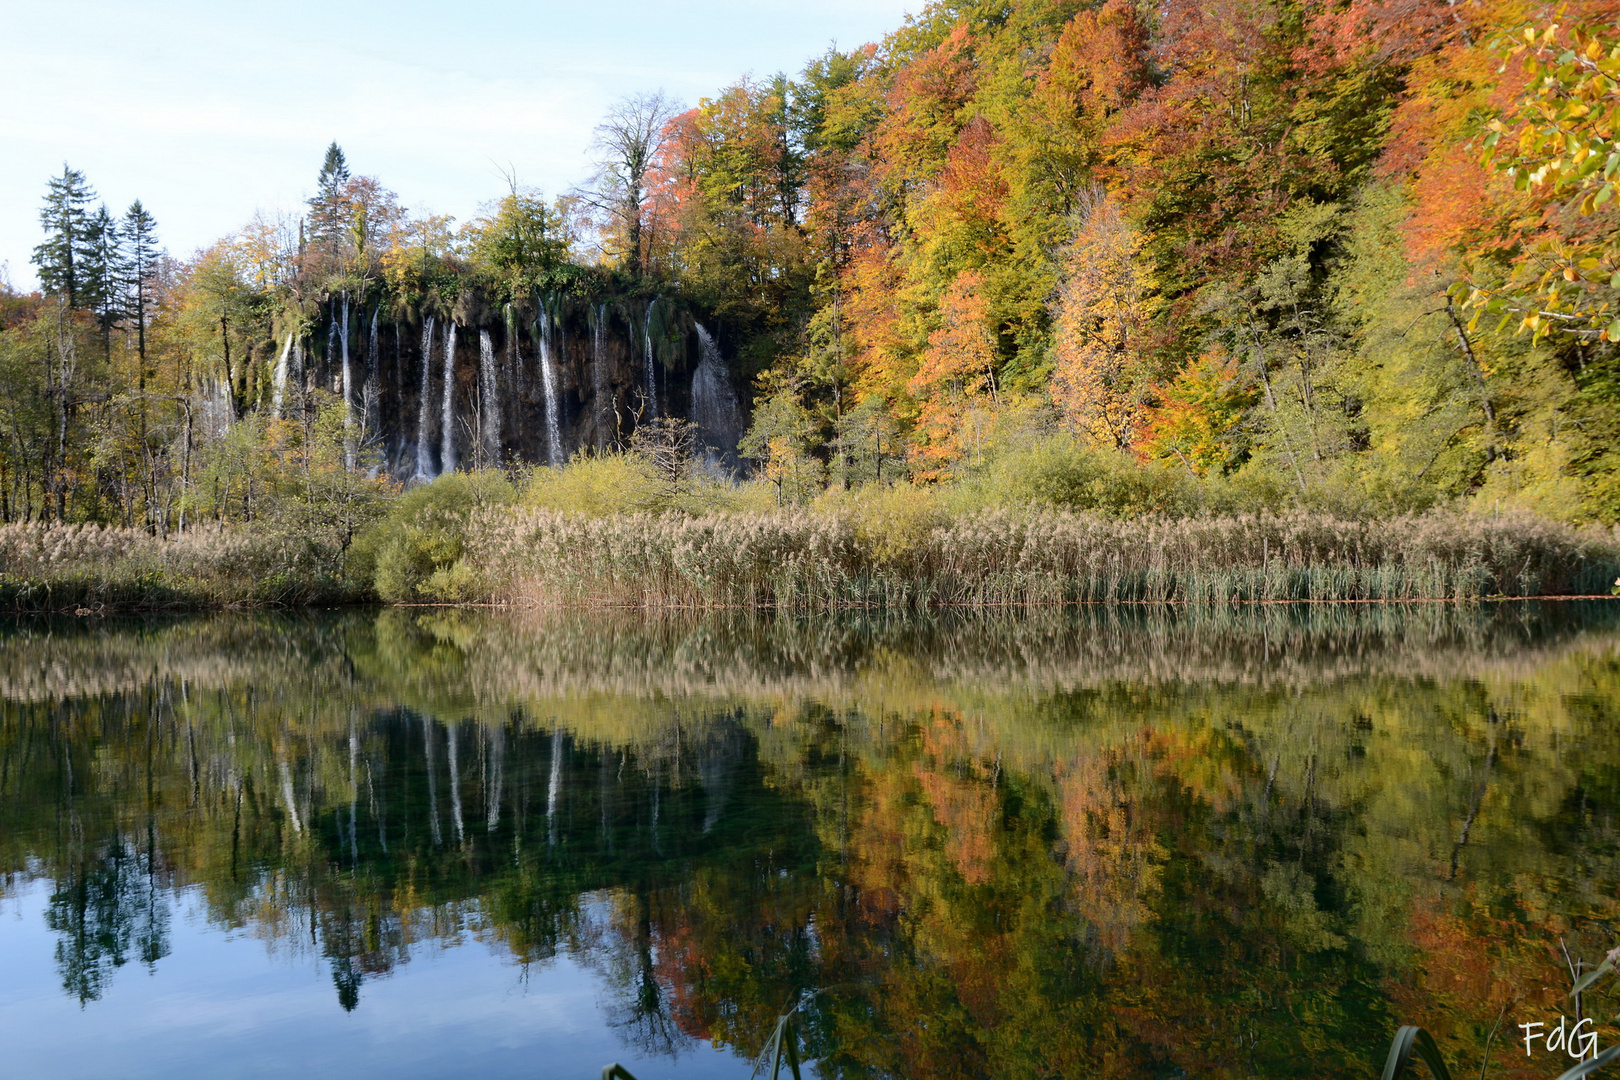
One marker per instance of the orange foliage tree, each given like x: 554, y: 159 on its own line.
x: 955, y: 384
x: 1106, y: 302
x: 1197, y: 418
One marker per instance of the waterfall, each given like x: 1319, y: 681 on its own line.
x: 423, y: 413
x: 489, y: 400
x: 714, y: 401
x: 279, y: 379
x: 343, y: 345
x: 652, y: 382
x: 348, y: 390
x: 599, y: 390
x: 447, y: 422
x: 548, y: 383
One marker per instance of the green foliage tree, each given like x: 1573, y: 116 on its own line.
x: 69, y: 242
x: 520, y: 244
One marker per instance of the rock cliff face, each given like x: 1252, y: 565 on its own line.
x: 535, y: 383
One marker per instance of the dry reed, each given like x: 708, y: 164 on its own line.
x: 52, y: 567
x: 810, y: 561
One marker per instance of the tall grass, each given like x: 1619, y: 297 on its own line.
x: 811, y: 561
x: 52, y: 567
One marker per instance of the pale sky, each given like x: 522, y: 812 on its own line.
x: 208, y: 111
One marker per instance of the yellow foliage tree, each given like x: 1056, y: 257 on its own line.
x: 1104, y: 308
x: 955, y: 385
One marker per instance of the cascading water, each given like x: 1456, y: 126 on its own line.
x: 652, y: 382
x: 714, y: 401
x: 348, y: 390
x: 490, y: 399
x: 279, y: 379
x: 599, y: 391
x: 447, y: 423
x: 548, y: 385
x: 423, y: 411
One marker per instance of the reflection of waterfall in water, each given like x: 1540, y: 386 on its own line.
x: 492, y: 788
x: 714, y: 401
x: 287, y: 797
x: 423, y: 411
x: 651, y: 380
x: 354, y: 792
x: 279, y: 380
x: 433, y: 783
x: 548, y: 385
x: 554, y: 795
x: 455, y: 784
x: 447, y: 422
x: 489, y: 412
x: 599, y: 392
x: 715, y: 768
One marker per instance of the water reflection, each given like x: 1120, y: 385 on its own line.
x: 1081, y: 842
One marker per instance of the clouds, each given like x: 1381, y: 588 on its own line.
x: 208, y: 111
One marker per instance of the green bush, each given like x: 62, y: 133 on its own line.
x: 1060, y: 472
x: 413, y: 552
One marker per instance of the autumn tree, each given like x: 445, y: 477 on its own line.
x: 1101, y: 349
x: 627, y: 143
x: 955, y: 385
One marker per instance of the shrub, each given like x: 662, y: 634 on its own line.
x: 411, y: 553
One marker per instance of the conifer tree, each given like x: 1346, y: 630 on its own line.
x: 101, y: 272
x: 66, y: 220
x: 325, y: 209
x: 141, y: 253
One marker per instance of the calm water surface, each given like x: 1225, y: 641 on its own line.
x: 1133, y: 843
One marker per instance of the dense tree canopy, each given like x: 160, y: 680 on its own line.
x: 1356, y: 255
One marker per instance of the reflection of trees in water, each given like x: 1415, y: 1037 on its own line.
x: 109, y: 910
x: 621, y: 947
x: 1036, y: 876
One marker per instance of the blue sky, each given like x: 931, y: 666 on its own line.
x: 208, y: 111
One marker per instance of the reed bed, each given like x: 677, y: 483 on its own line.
x: 819, y: 561
x: 54, y: 567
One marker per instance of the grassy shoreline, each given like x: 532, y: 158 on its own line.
x: 812, y: 561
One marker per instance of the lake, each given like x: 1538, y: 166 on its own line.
x: 1099, y: 841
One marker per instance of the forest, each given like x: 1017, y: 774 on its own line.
x: 1352, y: 259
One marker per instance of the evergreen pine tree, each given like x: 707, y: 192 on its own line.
x: 325, y: 209
x: 141, y: 253
x: 66, y: 220
x: 101, y: 272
